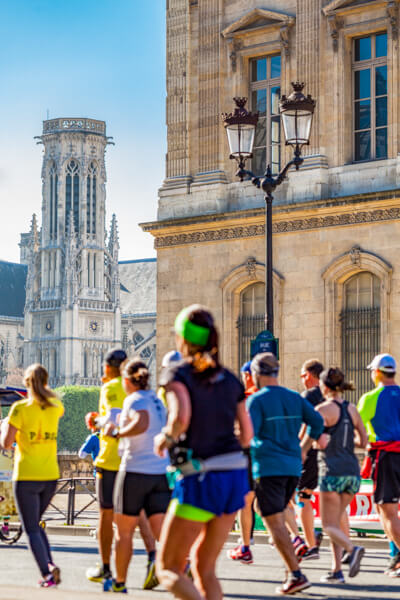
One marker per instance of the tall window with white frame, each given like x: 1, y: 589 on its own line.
x: 265, y: 89
x: 72, y: 194
x: 370, y: 97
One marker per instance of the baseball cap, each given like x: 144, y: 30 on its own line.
x: 246, y: 367
x: 171, y: 357
x: 384, y: 363
x: 265, y: 363
x: 115, y: 357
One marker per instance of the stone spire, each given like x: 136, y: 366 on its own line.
x: 34, y: 233
x: 113, y: 243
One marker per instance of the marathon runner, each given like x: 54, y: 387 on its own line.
x: 310, y: 372
x: 380, y: 412
x: 242, y: 552
x: 141, y: 482
x: 339, y: 470
x: 204, y: 400
x: 107, y: 463
x: 277, y: 414
x: 32, y: 424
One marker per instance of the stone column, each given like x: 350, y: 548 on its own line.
x: 177, y: 47
x: 308, y: 26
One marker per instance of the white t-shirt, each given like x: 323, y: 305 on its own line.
x: 137, y: 451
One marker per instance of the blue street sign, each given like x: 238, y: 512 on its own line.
x: 264, y: 342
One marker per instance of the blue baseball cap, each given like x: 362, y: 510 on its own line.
x: 384, y: 363
x: 246, y: 368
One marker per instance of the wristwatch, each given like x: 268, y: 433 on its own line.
x: 115, y: 433
x: 168, y: 438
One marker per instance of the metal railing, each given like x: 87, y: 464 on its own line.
x: 248, y: 328
x: 361, y: 331
x: 70, y: 486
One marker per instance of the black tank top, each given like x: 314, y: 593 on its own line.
x: 338, y: 459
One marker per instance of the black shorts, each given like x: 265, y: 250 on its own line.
x: 136, y: 491
x: 386, y: 477
x: 246, y: 451
x: 309, y: 474
x: 274, y: 493
x: 105, y: 481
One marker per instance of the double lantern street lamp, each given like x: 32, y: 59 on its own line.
x: 297, y: 114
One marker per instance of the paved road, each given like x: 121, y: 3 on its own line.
x: 253, y: 582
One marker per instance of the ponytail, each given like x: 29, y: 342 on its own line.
x: 333, y: 378
x: 36, y: 380
x: 137, y: 372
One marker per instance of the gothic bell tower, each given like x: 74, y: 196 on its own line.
x: 72, y: 312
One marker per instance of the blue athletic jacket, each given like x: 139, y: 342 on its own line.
x: 277, y: 414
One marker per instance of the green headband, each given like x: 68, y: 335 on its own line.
x: 195, y: 334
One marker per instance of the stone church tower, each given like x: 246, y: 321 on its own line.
x: 72, y: 311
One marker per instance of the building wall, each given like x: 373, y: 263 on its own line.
x: 11, y: 347
x: 332, y: 219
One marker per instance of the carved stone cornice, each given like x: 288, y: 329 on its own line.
x: 334, y: 24
x: 255, y: 230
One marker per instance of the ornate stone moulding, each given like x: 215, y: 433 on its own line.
x: 257, y: 21
x: 336, y: 11
x: 281, y: 226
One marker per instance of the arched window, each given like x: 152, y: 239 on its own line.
x: 360, y: 328
x: 53, y: 363
x: 53, y: 181
x: 251, y: 318
x: 91, y: 198
x: 72, y: 193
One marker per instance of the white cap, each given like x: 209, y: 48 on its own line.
x: 384, y: 363
x: 170, y: 358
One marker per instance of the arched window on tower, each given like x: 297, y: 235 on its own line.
x: 91, y: 198
x: 361, y: 329
x: 53, y: 181
x: 72, y: 193
x: 251, y: 318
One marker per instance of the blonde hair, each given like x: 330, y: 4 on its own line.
x: 36, y: 380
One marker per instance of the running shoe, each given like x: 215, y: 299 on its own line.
x: 293, y: 585
x: 333, y: 577
x: 355, y: 560
x: 394, y: 565
x: 98, y: 574
x: 242, y: 557
x: 300, y: 547
x: 345, y: 558
x: 311, y: 554
x: 47, y: 582
x: 150, y: 581
x: 395, y: 573
x: 118, y: 588
x: 318, y: 537
x: 55, y: 572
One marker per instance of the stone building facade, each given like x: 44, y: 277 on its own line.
x: 70, y: 300
x: 336, y: 221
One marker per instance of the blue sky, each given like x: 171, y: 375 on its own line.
x: 103, y: 59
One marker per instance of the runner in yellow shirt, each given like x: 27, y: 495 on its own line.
x: 33, y: 425
x: 112, y: 398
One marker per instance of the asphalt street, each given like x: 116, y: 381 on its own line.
x: 258, y: 581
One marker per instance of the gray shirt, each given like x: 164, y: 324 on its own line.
x: 137, y: 451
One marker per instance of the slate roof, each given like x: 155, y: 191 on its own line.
x: 12, y: 289
x: 138, y: 286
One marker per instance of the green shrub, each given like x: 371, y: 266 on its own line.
x: 77, y: 401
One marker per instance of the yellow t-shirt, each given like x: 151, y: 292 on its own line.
x: 112, y: 396
x: 36, y: 452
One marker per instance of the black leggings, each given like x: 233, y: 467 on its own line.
x: 32, y: 498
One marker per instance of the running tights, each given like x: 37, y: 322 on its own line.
x: 32, y: 498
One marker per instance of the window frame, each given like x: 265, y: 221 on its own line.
x: 267, y: 84
x: 361, y: 65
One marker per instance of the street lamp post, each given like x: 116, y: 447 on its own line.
x: 297, y: 113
